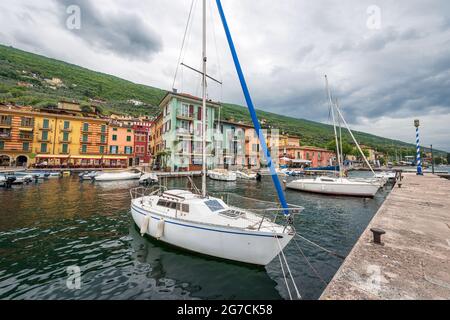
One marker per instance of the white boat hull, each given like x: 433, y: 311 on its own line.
x: 117, y: 176
x: 230, y: 176
x: 356, y: 189
x: 252, y: 247
x: 245, y: 176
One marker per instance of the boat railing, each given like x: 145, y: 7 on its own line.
x: 265, y: 211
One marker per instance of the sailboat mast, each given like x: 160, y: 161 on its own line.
x: 204, y: 104
x: 334, y: 125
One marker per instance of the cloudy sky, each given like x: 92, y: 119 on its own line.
x: 388, y: 61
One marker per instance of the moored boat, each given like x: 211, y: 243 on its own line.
x: 222, y: 175
x: 246, y: 175
x: 117, y: 176
x: 335, y: 186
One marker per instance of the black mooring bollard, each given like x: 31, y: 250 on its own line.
x: 377, y: 233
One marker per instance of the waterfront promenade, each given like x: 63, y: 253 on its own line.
x: 414, y: 260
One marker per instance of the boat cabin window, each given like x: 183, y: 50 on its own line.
x: 214, y: 205
x: 167, y: 204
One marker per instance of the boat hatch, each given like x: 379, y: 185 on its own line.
x: 233, y: 214
x: 214, y: 205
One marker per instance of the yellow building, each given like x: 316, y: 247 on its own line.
x: 69, y: 140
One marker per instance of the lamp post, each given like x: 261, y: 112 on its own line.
x: 418, y: 159
x: 432, y: 159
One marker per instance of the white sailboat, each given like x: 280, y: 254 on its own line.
x: 338, y: 185
x: 195, y: 221
x: 117, y: 176
x: 222, y: 175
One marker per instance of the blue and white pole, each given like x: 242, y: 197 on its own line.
x: 418, y: 158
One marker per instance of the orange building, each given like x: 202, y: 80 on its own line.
x: 120, y: 144
x: 16, y: 136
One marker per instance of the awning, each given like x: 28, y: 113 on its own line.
x: 87, y: 157
x: 115, y: 157
x: 52, y: 156
x: 26, y: 129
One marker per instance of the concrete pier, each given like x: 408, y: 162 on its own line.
x: 413, y: 261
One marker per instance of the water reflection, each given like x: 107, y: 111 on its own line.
x: 47, y: 227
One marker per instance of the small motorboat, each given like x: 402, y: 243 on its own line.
x: 7, y: 180
x: 117, y: 176
x: 54, y: 175
x: 40, y: 174
x: 222, y: 175
x: 336, y: 186
x: 20, y: 178
x: 245, y: 175
x: 148, y: 178
x: 87, y: 175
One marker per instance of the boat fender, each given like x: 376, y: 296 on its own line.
x: 160, y: 229
x: 145, y: 225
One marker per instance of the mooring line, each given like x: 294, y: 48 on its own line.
x: 320, y: 247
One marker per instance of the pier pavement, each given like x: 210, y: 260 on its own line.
x: 413, y: 261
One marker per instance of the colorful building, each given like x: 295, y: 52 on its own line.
x: 120, y: 144
x: 142, y: 155
x: 16, y: 136
x: 182, y: 132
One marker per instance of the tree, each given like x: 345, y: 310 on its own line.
x: 347, y: 148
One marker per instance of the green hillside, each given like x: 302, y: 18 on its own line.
x: 25, y: 79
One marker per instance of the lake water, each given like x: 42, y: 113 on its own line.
x: 46, y: 228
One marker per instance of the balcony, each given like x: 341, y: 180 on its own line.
x: 45, y: 128
x: 42, y: 139
x: 26, y: 137
x: 5, y: 136
x: 184, y: 116
x: 61, y: 151
x: 39, y: 151
x: 5, y: 122
x: 64, y: 129
x: 62, y: 140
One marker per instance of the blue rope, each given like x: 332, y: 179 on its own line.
x: 251, y: 108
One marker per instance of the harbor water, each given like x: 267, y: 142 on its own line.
x: 46, y: 228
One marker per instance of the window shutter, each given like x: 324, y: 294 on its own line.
x: 199, y: 115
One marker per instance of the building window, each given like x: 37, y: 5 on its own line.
x: 113, y: 149
x: 129, y: 130
x: 128, y: 138
x: 65, y: 148
x: 114, y: 129
x: 85, y: 138
x: 25, y: 146
x: 2, y: 145
x: 46, y: 124
x: 6, y: 120
x: 85, y: 127
x: 65, y: 136
x: 103, y: 128
x: 66, y: 125
x: 26, y: 122
x: 128, y: 150
x: 44, y: 135
x: 114, y: 137
x: 102, y: 149
x: 43, y: 147
x: 102, y: 138
x: 83, y: 148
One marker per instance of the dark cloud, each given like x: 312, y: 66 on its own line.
x: 122, y: 33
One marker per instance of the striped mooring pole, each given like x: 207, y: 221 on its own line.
x: 418, y: 158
